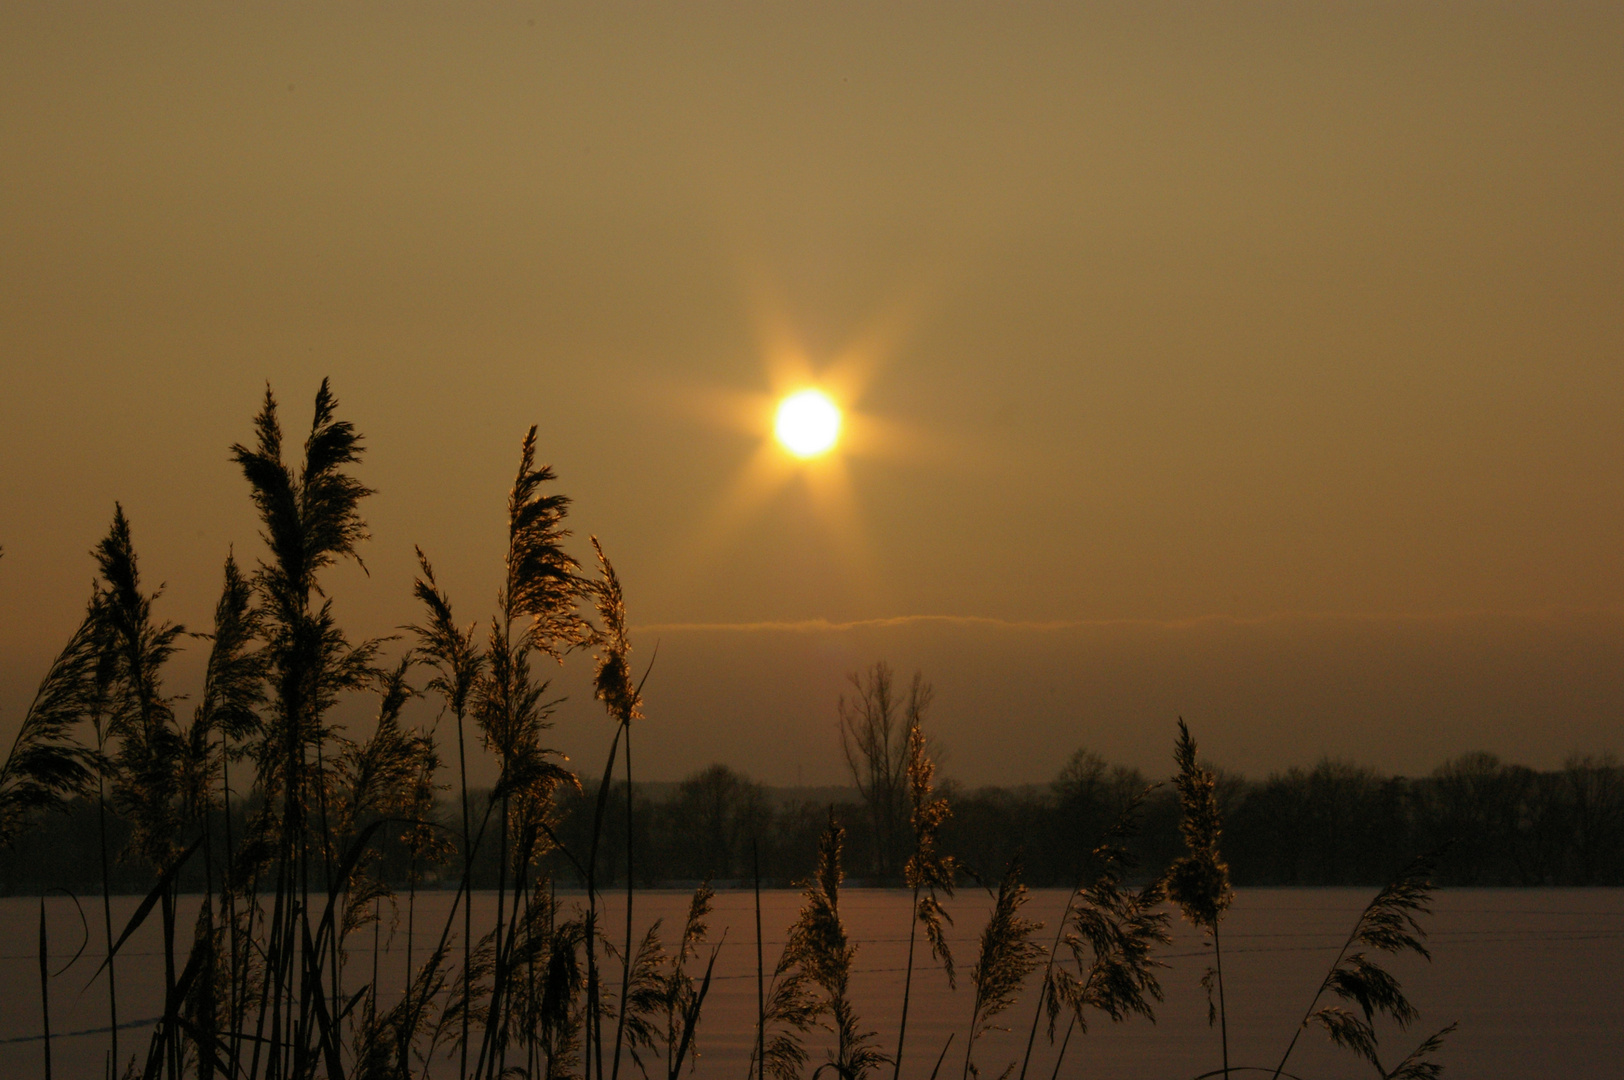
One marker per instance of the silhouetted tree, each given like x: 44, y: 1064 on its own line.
x: 874, y: 725
x: 1595, y: 790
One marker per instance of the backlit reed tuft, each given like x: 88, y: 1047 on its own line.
x: 513, y: 712
x: 928, y: 872
x: 1110, y: 932
x: 452, y: 651
x: 819, y: 948
x: 1006, y: 957
x: 45, y: 766
x: 1198, y: 882
x: 1390, y: 923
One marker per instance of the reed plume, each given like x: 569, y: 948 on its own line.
x: 148, y: 778
x: 233, y: 690
x: 788, y: 1010
x: 612, y: 685
x: 928, y: 872
x: 386, y: 1045
x: 819, y: 948
x: 458, y: 664
x: 644, y: 1001
x: 147, y: 783
x: 45, y: 766
x: 550, y: 1003
x: 1390, y: 923
x: 662, y: 1003
x: 1416, y: 1064
x: 542, y: 585
x: 1109, y: 932
x: 1198, y: 882
x: 310, y: 519
x: 1007, y: 956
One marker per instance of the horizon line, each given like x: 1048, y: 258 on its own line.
x: 823, y: 625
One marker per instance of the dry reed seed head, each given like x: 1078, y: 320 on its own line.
x: 695, y: 927
x: 457, y: 661
x: 312, y: 520
x: 612, y: 683
x: 1372, y: 988
x: 818, y: 944
x: 234, y: 680
x: 1198, y: 885
x: 648, y: 994
x: 149, y: 782
x: 855, y: 1056
x: 935, y: 919
x: 921, y: 770
x: 1390, y: 922
x: 1198, y: 796
x: 791, y: 1010
x: 1007, y: 954
x: 1349, y: 1032
x: 829, y: 871
x: 1415, y: 1065
x: 45, y: 767
x: 542, y: 579
x: 1110, y: 937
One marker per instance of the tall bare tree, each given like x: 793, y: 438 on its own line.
x: 874, y: 727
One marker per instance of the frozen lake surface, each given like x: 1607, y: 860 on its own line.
x: 1535, y: 978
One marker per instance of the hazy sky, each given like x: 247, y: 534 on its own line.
x: 1260, y: 363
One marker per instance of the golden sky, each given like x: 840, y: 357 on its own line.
x: 1269, y: 314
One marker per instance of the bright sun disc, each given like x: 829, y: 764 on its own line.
x: 808, y: 423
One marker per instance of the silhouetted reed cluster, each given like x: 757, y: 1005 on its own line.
x: 298, y: 832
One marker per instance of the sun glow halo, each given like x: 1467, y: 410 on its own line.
x: 807, y: 424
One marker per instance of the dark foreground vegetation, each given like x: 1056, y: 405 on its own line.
x: 325, y: 823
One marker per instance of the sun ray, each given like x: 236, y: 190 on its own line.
x: 835, y: 496
x: 817, y: 471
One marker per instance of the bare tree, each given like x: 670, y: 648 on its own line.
x: 874, y: 725
x: 1595, y: 785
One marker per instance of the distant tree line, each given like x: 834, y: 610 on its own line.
x: 1333, y: 824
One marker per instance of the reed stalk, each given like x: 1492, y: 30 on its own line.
x: 1110, y: 932
x: 1198, y: 881
x: 1006, y: 957
x: 928, y: 871
x: 612, y: 685
x: 1390, y: 923
x: 761, y: 982
x: 45, y: 987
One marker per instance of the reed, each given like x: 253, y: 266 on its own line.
x: 1390, y: 924
x: 148, y: 770
x: 821, y: 954
x: 45, y: 766
x: 45, y: 986
x: 1007, y: 955
x: 458, y: 665
x: 788, y: 1009
x: 612, y: 685
x: 929, y: 872
x: 1198, y: 881
x: 1109, y: 932
x: 536, y: 614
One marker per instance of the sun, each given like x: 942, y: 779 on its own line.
x: 808, y: 423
